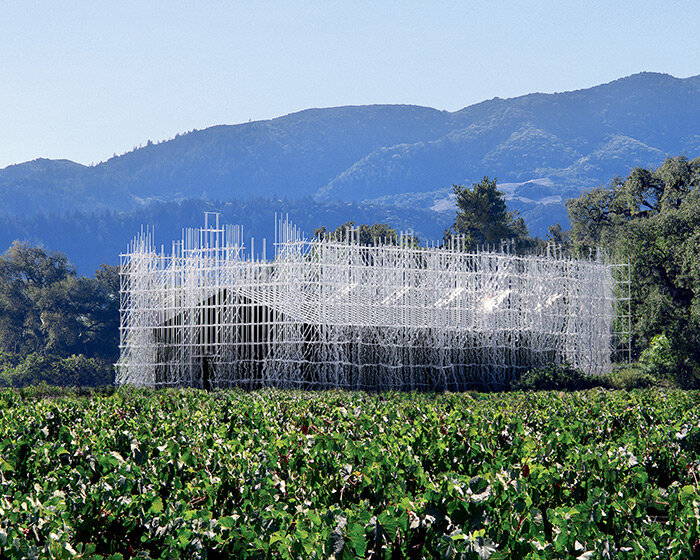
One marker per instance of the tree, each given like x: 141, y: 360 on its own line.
x: 652, y: 219
x: 80, y: 316
x: 25, y: 273
x: 375, y: 234
x: 107, y: 314
x: 557, y: 235
x: 483, y: 218
x: 46, y: 308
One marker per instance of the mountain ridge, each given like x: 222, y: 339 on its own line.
x: 389, y: 155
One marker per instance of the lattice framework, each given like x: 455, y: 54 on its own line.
x: 328, y: 313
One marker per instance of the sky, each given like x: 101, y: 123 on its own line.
x: 85, y: 80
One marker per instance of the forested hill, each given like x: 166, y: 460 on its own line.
x: 575, y: 139
x: 543, y: 148
x: 291, y: 157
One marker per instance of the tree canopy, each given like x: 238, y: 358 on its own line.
x: 651, y: 218
x: 364, y: 234
x: 46, y: 309
x: 483, y: 218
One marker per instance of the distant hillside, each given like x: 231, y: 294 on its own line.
x: 92, y: 238
x: 576, y: 139
x: 291, y: 157
x: 544, y: 148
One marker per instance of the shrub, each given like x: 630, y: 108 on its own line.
x: 555, y: 377
x: 658, y: 359
x: 73, y: 371
x: 666, y: 359
x: 632, y: 376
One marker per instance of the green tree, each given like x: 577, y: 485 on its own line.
x: 80, y: 316
x: 652, y: 219
x: 557, y: 235
x: 45, y: 308
x: 25, y: 273
x: 364, y: 234
x: 106, y: 314
x: 483, y: 218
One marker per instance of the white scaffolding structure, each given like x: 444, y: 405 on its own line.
x: 327, y: 313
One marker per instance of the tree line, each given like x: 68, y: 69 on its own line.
x: 62, y: 328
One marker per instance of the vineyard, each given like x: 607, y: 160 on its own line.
x: 291, y: 474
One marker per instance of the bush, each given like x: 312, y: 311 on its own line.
x: 337, y: 474
x: 666, y: 359
x: 73, y: 371
x: 658, y: 359
x: 555, y: 377
x: 632, y: 376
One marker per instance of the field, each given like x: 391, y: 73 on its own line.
x: 282, y: 474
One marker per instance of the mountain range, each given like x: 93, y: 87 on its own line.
x: 394, y: 163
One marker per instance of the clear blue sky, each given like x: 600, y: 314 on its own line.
x: 84, y: 80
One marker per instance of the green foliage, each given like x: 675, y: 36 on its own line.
x: 659, y: 358
x: 56, y: 327
x: 364, y: 234
x: 45, y: 308
x: 566, y: 378
x: 555, y: 377
x: 72, y: 371
x: 26, y: 274
x: 632, y: 376
x: 483, y: 219
x: 652, y: 219
x: 270, y: 474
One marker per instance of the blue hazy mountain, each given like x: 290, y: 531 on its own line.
x: 388, y: 160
